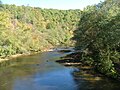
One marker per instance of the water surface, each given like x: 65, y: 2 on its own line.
x: 41, y: 72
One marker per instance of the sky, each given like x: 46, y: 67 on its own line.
x: 55, y: 4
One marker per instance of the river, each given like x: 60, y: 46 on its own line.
x: 41, y: 72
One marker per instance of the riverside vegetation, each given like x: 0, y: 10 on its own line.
x: 31, y: 29
x: 95, y: 32
x: 98, y: 37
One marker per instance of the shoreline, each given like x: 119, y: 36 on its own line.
x: 10, y: 57
x: 24, y: 54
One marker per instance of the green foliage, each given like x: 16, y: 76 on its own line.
x: 99, y: 36
x: 27, y: 29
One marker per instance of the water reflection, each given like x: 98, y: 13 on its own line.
x: 40, y: 72
x: 86, y: 81
x: 57, y: 79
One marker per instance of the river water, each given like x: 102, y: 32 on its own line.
x: 41, y: 72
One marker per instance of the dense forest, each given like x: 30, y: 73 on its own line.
x: 98, y: 37
x: 94, y: 31
x: 31, y: 29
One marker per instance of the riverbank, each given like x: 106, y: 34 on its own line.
x: 24, y: 54
x: 11, y: 57
x: 73, y: 59
x: 88, y: 72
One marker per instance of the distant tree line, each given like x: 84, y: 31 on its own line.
x: 25, y: 29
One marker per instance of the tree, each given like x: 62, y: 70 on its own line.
x: 98, y: 36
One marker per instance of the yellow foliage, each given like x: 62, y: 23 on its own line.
x: 5, y: 20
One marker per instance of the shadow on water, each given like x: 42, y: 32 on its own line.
x: 41, y: 72
x: 90, y: 82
